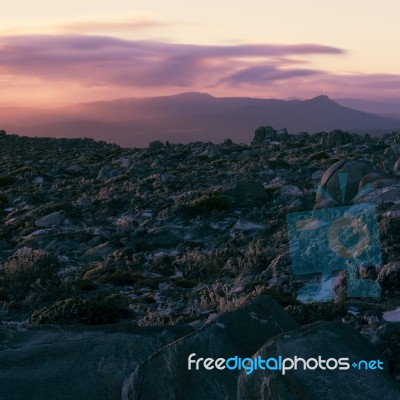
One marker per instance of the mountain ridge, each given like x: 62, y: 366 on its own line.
x: 191, y: 116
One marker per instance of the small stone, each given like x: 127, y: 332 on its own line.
x: 38, y: 181
x: 317, y: 175
x: 53, y: 219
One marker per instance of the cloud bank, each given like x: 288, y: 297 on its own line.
x: 103, y: 61
x: 100, y: 60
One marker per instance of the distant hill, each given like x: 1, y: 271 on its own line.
x: 383, y: 108
x: 189, y: 117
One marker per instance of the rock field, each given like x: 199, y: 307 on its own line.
x: 173, y: 237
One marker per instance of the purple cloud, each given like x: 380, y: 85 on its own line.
x: 264, y: 74
x: 99, y: 60
x: 103, y: 61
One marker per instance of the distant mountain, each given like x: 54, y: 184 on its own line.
x: 391, y: 115
x: 189, y: 117
x: 384, y: 108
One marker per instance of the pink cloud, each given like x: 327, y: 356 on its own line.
x: 103, y: 61
x: 94, y: 60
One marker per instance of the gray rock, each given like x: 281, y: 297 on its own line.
x: 64, y: 363
x: 156, y: 145
x: 242, y: 225
x: 354, y: 170
x: 107, y: 172
x: 263, y: 133
x: 248, y: 193
x: 336, y: 138
x: 161, y: 237
x: 138, y: 169
x: 367, y: 138
x: 356, y: 139
x: 282, y: 134
x: 389, y: 277
x: 389, y: 194
x: 38, y: 180
x: 317, y: 175
x: 228, y: 142
x: 53, y: 219
x: 274, y: 146
x: 396, y: 168
x: 328, y: 340
x: 389, y: 157
x: 166, y: 376
x: 98, y: 252
x: 290, y: 192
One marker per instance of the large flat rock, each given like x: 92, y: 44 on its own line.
x: 165, y: 376
x: 75, y: 363
x: 328, y: 340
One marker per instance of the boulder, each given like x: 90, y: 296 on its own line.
x: 53, y: 219
x: 263, y: 133
x: 356, y: 139
x: 106, y: 173
x: 367, y: 138
x: 166, y: 375
x: 247, y: 193
x: 389, y: 158
x: 228, y: 142
x: 64, y: 363
x: 326, y: 340
x: 352, y: 173
x: 156, y: 145
x: 282, y: 134
x: 336, y: 138
x: 385, y: 195
x: 390, y: 345
x: 317, y: 175
x: 396, y: 168
x: 98, y: 253
x: 160, y: 237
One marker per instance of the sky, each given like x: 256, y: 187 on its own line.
x: 54, y: 53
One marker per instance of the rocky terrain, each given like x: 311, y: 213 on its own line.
x: 172, y: 237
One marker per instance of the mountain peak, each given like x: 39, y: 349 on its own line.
x: 194, y: 95
x: 322, y: 98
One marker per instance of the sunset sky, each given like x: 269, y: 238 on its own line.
x: 57, y: 53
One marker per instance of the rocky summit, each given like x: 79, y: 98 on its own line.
x: 166, y: 242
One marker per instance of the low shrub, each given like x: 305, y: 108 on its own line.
x: 85, y: 285
x: 6, y: 180
x: 205, y: 204
x: 120, y: 278
x: 26, y: 268
x: 98, y: 310
x: 147, y: 283
x: 389, y: 278
x: 322, y: 155
x: 155, y: 318
x: 185, y: 283
x: 3, y: 199
x: 313, y: 312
